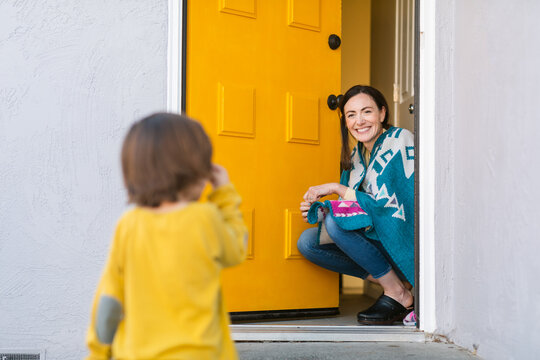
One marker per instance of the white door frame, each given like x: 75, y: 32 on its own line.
x: 176, y: 36
x: 426, y: 153
x: 426, y: 122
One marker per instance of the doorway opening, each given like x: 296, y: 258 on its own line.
x: 377, y: 49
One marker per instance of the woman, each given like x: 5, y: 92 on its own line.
x: 379, y: 175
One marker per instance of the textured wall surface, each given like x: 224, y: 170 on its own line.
x: 73, y: 76
x: 444, y: 163
x: 488, y: 245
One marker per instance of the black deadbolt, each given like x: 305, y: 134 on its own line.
x: 333, y: 101
x: 334, y: 41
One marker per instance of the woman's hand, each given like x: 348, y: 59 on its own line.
x: 219, y: 176
x: 304, y: 207
x: 314, y: 193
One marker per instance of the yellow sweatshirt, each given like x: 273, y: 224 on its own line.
x: 160, y: 293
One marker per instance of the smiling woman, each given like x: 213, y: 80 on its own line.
x: 377, y: 184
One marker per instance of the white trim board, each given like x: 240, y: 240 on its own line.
x: 311, y: 333
x: 427, y: 312
x: 174, y: 57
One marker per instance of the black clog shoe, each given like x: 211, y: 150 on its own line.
x: 384, y: 312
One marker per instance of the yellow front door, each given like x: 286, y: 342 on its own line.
x: 258, y: 76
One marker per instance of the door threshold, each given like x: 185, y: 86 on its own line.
x: 326, y: 333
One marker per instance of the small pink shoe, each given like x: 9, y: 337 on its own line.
x: 410, y: 319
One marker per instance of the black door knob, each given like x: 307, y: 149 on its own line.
x: 333, y: 101
x: 411, y: 108
x: 339, y: 97
x: 334, y: 41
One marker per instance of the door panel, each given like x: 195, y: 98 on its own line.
x: 404, y: 72
x: 258, y: 74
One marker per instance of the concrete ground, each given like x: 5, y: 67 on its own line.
x: 350, y: 351
x: 349, y: 306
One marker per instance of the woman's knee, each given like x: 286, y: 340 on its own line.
x: 332, y: 228
x: 307, y: 241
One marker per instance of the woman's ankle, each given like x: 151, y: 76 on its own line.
x: 403, y: 296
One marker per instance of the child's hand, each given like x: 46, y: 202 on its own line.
x: 219, y: 176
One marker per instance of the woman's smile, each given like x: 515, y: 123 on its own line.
x: 363, y: 130
x: 360, y: 133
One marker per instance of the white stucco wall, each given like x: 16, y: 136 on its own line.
x: 73, y: 76
x: 487, y: 196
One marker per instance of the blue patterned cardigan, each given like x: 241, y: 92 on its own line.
x: 385, y: 191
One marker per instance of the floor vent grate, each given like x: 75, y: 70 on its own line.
x: 20, y: 356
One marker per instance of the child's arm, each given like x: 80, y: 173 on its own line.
x: 233, y: 231
x: 107, y: 309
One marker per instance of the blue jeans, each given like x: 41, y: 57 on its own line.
x: 352, y: 254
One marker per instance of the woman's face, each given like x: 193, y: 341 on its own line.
x: 364, y: 119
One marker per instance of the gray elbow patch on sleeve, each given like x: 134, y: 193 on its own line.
x: 108, y: 316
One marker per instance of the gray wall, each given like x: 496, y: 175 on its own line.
x: 73, y: 76
x: 488, y: 170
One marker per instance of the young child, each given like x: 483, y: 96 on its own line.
x: 160, y: 293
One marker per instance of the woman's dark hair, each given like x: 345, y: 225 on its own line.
x: 381, y: 103
x: 162, y: 155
